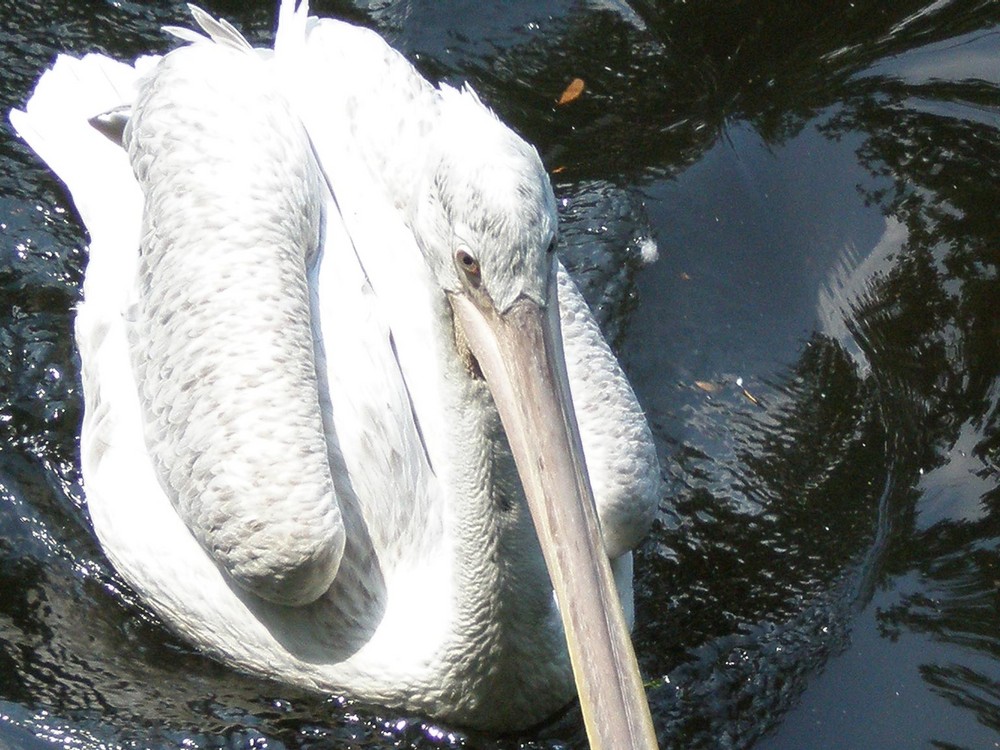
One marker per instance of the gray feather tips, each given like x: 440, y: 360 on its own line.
x: 111, y: 124
x: 218, y: 30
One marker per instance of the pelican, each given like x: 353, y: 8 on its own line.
x: 344, y: 408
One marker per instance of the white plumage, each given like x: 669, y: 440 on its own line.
x: 288, y: 448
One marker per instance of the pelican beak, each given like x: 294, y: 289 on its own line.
x: 520, y: 353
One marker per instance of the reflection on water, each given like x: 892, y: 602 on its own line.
x: 816, y: 346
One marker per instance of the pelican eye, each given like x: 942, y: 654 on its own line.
x: 469, y: 266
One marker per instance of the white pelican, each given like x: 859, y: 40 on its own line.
x: 329, y: 434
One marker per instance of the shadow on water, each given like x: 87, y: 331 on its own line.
x: 816, y: 347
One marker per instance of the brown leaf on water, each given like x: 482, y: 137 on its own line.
x: 557, y: 170
x: 706, y: 386
x: 572, y: 91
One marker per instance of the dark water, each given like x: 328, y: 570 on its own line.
x: 816, y: 346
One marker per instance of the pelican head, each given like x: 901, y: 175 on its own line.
x: 484, y: 214
x: 485, y: 219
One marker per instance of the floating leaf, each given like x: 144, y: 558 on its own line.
x: 706, y: 386
x: 572, y: 91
